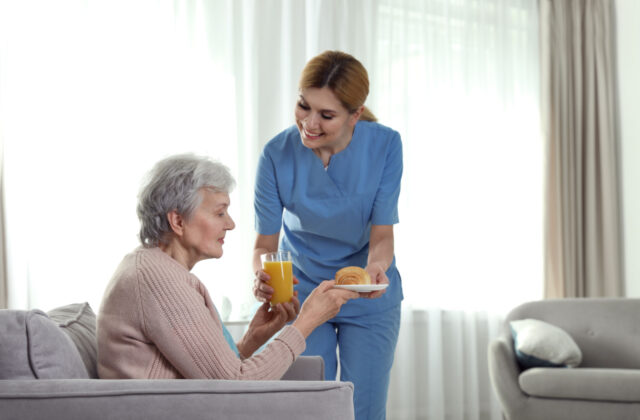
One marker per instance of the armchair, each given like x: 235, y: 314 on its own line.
x: 605, y: 385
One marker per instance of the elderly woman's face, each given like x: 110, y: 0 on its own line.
x: 204, y: 232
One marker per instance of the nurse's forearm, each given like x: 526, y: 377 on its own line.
x: 381, y: 246
x: 264, y: 244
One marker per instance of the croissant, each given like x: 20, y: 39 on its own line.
x: 352, y: 275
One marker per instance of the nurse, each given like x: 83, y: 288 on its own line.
x: 331, y: 183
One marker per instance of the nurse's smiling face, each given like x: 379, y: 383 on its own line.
x: 325, y: 125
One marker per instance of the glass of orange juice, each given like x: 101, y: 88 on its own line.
x: 278, y: 266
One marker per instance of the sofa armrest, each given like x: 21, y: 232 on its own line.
x: 177, y: 398
x: 504, y: 373
x: 306, y: 368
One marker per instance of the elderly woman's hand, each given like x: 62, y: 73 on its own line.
x: 261, y: 289
x: 267, y: 321
x: 323, y: 303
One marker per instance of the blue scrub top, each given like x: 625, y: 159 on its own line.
x: 326, y: 215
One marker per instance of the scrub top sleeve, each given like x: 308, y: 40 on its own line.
x: 267, y: 204
x: 385, y: 205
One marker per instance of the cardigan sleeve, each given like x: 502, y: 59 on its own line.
x: 189, y: 334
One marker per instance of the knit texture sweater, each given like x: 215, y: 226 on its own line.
x: 157, y: 320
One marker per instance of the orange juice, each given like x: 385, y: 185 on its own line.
x: 281, y: 280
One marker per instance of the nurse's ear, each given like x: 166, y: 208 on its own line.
x: 355, y: 115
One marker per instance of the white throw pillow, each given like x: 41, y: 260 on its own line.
x: 540, y: 344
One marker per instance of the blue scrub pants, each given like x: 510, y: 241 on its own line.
x: 366, y: 346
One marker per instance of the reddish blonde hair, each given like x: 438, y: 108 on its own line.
x: 344, y: 75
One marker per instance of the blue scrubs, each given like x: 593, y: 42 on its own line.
x: 326, y: 217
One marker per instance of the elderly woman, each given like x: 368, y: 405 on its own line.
x: 157, y: 319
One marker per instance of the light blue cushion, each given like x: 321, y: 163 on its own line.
x: 540, y: 344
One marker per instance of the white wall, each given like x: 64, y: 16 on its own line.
x: 628, y: 52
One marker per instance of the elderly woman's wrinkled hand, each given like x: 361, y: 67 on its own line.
x: 323, y: 303
x: 268, y: 319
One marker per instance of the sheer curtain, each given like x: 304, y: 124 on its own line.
x: 459, y: 79
x: 94, y: 92
x: 3, y: 260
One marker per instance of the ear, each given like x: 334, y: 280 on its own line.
x: 353, y: 119
x: 176, y: 221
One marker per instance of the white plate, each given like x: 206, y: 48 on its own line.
x: 362, y: 287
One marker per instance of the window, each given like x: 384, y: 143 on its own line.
x: 459, y: 80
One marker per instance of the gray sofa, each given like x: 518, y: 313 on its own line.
x: 48, y: 371
x: 605, y: 385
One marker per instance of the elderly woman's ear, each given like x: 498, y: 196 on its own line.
x: 176, y: 221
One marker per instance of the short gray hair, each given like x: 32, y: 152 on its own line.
x: 174, y: 184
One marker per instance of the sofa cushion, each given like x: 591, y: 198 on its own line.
x: 14, y: 358
x: 540, y: 344
x: 597, y: 384
x: 170, y: 399
x: 33, y: 347
x: 78, y: 321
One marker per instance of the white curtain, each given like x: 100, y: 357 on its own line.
x: 94, y: 92
x: 440, y: 367
x: 460, y: 79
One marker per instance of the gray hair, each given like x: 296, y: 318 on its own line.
x: 174, y: 184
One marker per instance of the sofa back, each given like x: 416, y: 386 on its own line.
x: 607, y: 330
x: 58, y: 345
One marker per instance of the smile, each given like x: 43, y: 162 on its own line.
x: 311, y: 136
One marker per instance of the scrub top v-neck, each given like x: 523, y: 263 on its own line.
x: 325, y: 215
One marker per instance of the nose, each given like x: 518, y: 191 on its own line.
x: 313, y: 120
x: 230, y: 223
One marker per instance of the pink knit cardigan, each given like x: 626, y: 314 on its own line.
x: 157, y: 320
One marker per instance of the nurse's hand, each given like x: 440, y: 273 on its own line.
x: 261, y: 290
x: 378, y: 276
